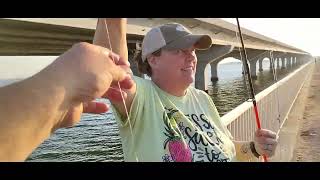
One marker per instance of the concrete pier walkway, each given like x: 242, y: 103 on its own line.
x: 300, y: 134
x: 308, y: 137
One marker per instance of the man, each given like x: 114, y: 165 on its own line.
x: 168, y: 120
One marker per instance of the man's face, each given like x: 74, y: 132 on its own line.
x: 178, y: 66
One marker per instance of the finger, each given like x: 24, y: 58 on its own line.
x: 115, y: 57
x: 121, y: 72
x: 122, y: 61
x: 126, y: 69
x: 119, y: 60
x: 127, y: 83
x: 72, y: 117
x: 266, y: 133
x: 114, y: 94
x: 118, y: 74
x: 263, y: 140
x: 95, y: 107
x: 268, y: 151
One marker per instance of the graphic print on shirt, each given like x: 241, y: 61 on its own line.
x: 186, y: 144
x: 179, y: 151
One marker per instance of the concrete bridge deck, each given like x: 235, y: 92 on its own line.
x: 53, y: 36
x: 59, y: 34
x: 308, y: 136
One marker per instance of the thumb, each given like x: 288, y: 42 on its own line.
x: 95, y: 107
x: 118, y: 74
x: 258, y: 133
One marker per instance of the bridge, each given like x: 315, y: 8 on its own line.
x: 50, y: 36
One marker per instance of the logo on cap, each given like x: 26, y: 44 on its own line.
x: 180, y: 28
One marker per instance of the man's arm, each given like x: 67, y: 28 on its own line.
x: 117, y: 29
x: 32, y: 109
x: 29, y: 111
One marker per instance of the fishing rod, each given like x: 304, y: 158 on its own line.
x: 251, y: 90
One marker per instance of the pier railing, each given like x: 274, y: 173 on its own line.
x: 274, y: 105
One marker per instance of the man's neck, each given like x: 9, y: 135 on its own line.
x: 170, y: 87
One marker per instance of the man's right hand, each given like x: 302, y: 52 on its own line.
x: 88, y: 72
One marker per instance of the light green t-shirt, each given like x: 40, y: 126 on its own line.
x: 170, y: 128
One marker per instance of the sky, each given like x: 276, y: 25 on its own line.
x: 20, y: 67
x: 302, y: 33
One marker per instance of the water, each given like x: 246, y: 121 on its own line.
x: 96, y: 137
x: 231, y: 89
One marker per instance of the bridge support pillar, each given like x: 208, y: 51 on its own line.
x: 270, y: 63
x: 214, y: 71
x: 287, y: 62
x: 260, y: 64
x: 215, y: 53
x: 283, y: 65
x: 253, y: 68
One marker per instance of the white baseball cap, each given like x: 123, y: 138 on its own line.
x: 172, y: 36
